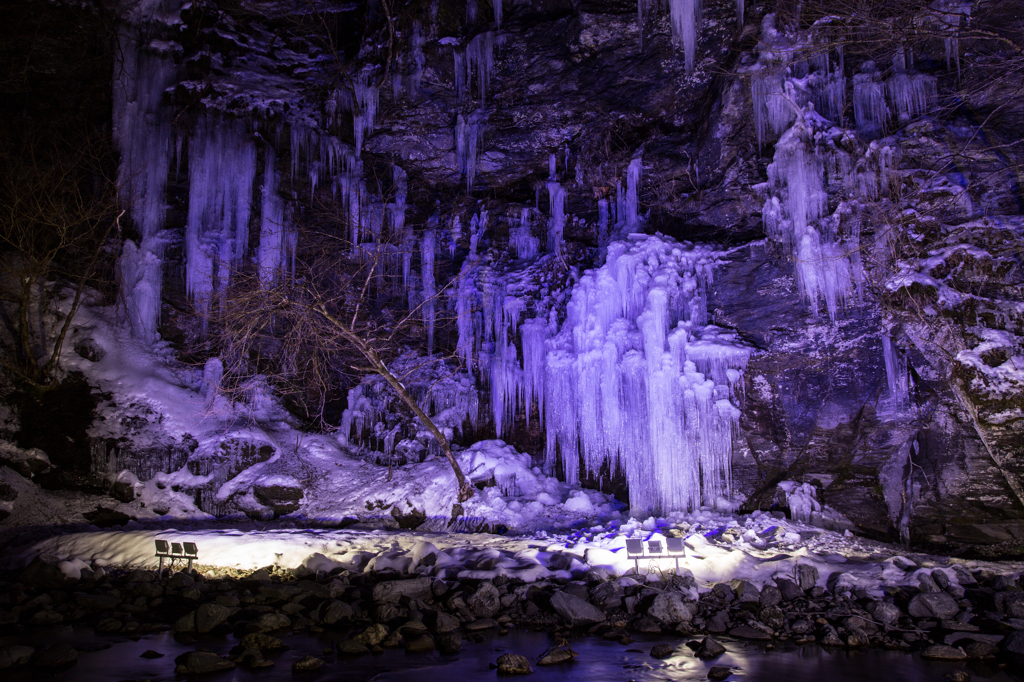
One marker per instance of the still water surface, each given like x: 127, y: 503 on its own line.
x: 112, y: 659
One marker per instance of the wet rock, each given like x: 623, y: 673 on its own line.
x: 1002, y: 582
x: 448, y: 643
x: 14, y: 656
x: 1014, y: 642
x: 445, y: 622
x: 485, y: 602
x: 576, y: 611
x: 1010, y: 604
x: 608, y: 595
x: 43, y: 575
x: 748, y: 632
x: 201, y: 663
x: 421, y: 644
x: 373, y: 635
x: 723, y: 593
x: 97, y: 602
x: 941, y: 652
x: 513, y: 664
x: 646, y: 625
x: 350, y: 647
x: 957, y: 676
x: 59, y: 655
x: 262, y: 642
x: 109, y: 626
x: 334, y: 612
x: 789, y: 589
x: 975, y: 649
x: 480, y: 624
x: 283, y: 499
x: 307, y: 664
x: 253, y: 659
x: 391, y: 591
x: 556, y: 656
x: 885, y: 613
x: 745, y: 591
x: 662, y: 650
x: 719, y: 672
x: 269, y: 622
x: 709, y: 649
x: 806, y: 576
x: 770, y: 596
x: 670, y: 608
x: 209, y: 616
x: 933, y: 605
x: 718, y: 622
x: 150, y: 654
x: 772, y: 616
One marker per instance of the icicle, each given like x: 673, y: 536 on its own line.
x: 632, y: 205
x: 427, y: 250
x: 471, y: 8
x: 740, y: 9
x: 454, y: 234
x: 468, y: 140
x: 909, y: 93
x: 222, y: 167
x: 521, y: 237
x: 143, y: 134
x: 277, y: 236
x: 621, y: 387
x: 497, y: 12
x: 869, y: 109
x: 896, y: 374
x: 478, y: 58
x: 685, y: 15
x: 367, y: 99
x: 556, y: 220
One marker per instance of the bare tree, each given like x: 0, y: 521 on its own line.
x: 57, y: 213
x: 307, y: 330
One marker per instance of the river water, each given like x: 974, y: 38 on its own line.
x: 113, y: 659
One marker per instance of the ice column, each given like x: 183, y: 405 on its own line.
x: 635, y: 380
x: 478, y: 59
x: 222, y: 167
x: 896, y: 374
x: 521, y: 237
x: 142, y: 132
x: 367, y: 98
x: 276, y: 253
x: 685, y: 15
x: 428, y: 246
x: 869, y: 108
x: 469, y: 135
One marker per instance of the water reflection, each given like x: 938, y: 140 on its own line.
x: 107, y: 659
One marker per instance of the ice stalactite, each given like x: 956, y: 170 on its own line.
x: 469, y: 134
x: 477, y: 59
x: 276, y: 253
x: 506, y: 375
x: 632, y: 205
x: 556, y: 210
x: 740, y: 11
x: 630, y: 380
x: 910, y: 94
x: 685, y: 16
x: 603, y: 222
x: 428, y: 246
x: 143, y: 134
x: 774, y: 110
x: 520, y: 237
x: 454, y: 235
x: 471, y: 9
x: 896, y: 375
x: 366, y: 99
x: 951, y: 15
x: 869, y: 108
x: 222, y: 168
x: 402, y: 237
x: 827, y: 266
x: 497, y: 12
x: 468, y: 301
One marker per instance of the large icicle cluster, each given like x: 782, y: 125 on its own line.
x: 222, y: 168
x: 684, y: 16
x: 144, y: 138
x: 477, y: 59
x: 636, y: 379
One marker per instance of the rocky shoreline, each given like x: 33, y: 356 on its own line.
x: 982, y: 617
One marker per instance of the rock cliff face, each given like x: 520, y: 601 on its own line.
x: 889, y: 371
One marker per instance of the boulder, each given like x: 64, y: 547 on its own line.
x: 209, y: 616
x: 350, y: 647
x: 719, y: 672
x: 270, y: 622
x: 933, y: 605
x: 262, y: 642
x: 334, y: 611
x: 448, y: 643
x: 669, y: 608
x: 575, y: 611
x: 307, y: 664
x: 662, y: 650
x: 884, y: 612
x: 59, y: 655
x: 14, y: 656
x: 485, y: 602
x: 748, y: 632
x: 373, y: 635
x: 709, y: 649
x: 770, y: 596
x: 556, y: 656
x: 391, y: 591
x: 201, y: 663
x: 421, y: 644
x: 941, y: 652
x: 806, y: 576
x: 1014, y: 642
x: 513, y: 664
x: 789, y: 589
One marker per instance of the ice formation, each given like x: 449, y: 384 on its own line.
x: 276, y: 253
x: 802, y: 500
x: 637, y: 381
x: 896, y: 374
x: 477, y: 59
x: 520, y: 236
x: 366, y: 99
x: 428, y: 248
x: 469, y: 133
x: 556, y: 218
x: 144, y: 138
x: 222, y: 168
x: 685, y: 15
